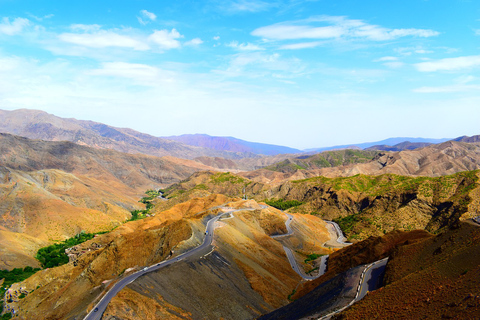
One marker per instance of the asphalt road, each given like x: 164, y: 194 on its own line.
x: 97, y: 312
x: 372, y: 278
x: 291, y: 258
x: 340, y: 237
x: 369, y: 281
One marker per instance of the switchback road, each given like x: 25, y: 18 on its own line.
x: 97, y: 312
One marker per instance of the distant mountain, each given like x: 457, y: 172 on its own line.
x: 407, y: 145
x: 387, y: 142
x: 471, y: 139
x: 35, y: 124
x: 231, y: 144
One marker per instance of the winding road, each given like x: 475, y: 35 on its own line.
x: 97, y: 311
x: 323, y: 261
x: 369, y: 281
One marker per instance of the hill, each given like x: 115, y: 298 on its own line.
x: 406, y: 145
x: 363, y: 205
x: 50, y: 191
x: 436, y: 279
x: 388, y: 142
x: 231, y: 144
x: 432, y: 161
x: 246, y: 274
x: 35, y: 124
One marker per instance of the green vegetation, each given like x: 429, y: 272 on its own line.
x: 140, y: 214
x: 6, y: 316
x: 283, y: 204
x: 325, y: 159
x: 11, y: 277
x: 439, y: 187
x: 54, y: 255
x: 310, y: 271
x: 347, y: 223
x: 226, y: 177
x: 291, y: 294
x: 312, y: 257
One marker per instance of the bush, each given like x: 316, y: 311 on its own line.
x: 54, y: 255
x: 283, y: 204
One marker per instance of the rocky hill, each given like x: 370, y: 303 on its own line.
x: 50, y: 191
x: 35, y: 124
x: 432, y: 161
x: 436, y: 279
x: 246, y: 275
x: 362, y: 205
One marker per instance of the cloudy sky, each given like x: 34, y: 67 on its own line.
x: 305, y: 74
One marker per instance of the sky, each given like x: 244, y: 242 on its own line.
x: 299, y: 73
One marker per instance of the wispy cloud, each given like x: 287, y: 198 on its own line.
x: 14, y: 27
x: 336, y: 27
x: 301, y: 45
x: 146, y: 17
x: 449, y: 64
x: 239, y: 6
x: 194, y: 42
x: 127, y: 70
x: 102, y: 39
x: 166, y: 39
x: 244, y: 46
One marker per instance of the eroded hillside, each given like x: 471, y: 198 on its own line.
x: 432, y: 279
x: 363, y: 205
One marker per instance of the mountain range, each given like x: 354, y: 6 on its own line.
x: 36, y: 124
x: 60, y: 178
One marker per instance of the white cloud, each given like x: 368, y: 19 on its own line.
x: 449, y: 64
x: 14, y: 27
x: 103, y: 39
x: 244, y: 46
x: 302, y: 45
x: 146, y: 17
x: 194, y: 42
x: 289, y: 32
x: 477, y: 32
x: 216, y: 38
x: 48, y: 16
x: 126, y: 70
x: 246, y: 6
x: 334, y: 27
x: 408, y: 51
x: 85, y: 27
x: 166, y: 39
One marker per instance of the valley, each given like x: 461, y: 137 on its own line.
x: 298, y: 237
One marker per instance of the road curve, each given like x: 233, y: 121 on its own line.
x: 291, y: 258
x: 369, y: 281
x: 340, y: 236
x: 98, y: 310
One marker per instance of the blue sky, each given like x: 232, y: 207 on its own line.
x: 298, y: 73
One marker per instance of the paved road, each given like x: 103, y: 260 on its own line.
x: 369, y: 281
x: 372, y: 278
x: 340, y: 237
x: 204, y: 248
x: 291, y: 258
x: 287, y: 224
